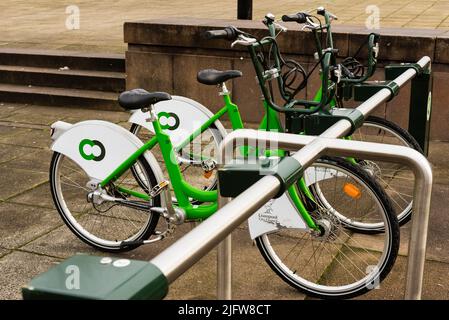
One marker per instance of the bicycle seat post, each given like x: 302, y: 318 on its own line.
x: 151, y: 112
x: 224, y: 90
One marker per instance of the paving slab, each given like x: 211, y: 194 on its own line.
x: 22, y: 224
x: 32, y: 159
x: 39, y: 197
x: 9, y: 152
x: 75, y: 115
x: 61, y: 243
x: 435, y: 284
x: 17, y: 269
x: 7, y: 132
x: 31, y: 117
x: 32, y: 235
x: 253, y: 279
x: 198, y: 283
x: 101, y: 22
x: 438, y: 240
x: 438, y: 157
x: 4, y: 252
x: 33, y: 138
x: 6, y: 110
x: 16, y: 181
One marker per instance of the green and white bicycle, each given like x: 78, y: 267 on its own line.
x: 110, y: 191
x: 99, y: 199
x: 396, y: 179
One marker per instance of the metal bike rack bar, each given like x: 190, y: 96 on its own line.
x: 314, y: 147
x: 338, y: 130
x: 179, y: 257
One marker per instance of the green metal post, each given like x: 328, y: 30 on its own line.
x: 421, y: 109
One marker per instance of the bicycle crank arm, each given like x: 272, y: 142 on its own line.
x: 98, y: 197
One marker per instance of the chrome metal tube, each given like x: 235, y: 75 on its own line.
x: 313, y: 147
x: 224, y: 260
x: 224, y: 269
x: 185, y: 252
x: 189, y: 249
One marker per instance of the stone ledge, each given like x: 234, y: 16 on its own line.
x: 166, y: 54
x: 397, y: 44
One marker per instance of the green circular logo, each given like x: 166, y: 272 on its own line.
x: 91, y: 156
x: 168, y: 120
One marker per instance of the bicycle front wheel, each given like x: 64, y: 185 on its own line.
x: 396, y: 179
x: 337, y: 262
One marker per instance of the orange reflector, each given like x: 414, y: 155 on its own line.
x: 352, y: 191
x: 207, y: 174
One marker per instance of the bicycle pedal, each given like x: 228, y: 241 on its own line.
x: 157, y: 189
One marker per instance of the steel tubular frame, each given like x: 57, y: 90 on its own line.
x: 179, y: 257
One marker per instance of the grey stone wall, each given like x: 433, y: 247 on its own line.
x: 167, y: 54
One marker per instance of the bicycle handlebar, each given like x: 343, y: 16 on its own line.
x: 323, y: 12
x: 233, y: 34
x: 228, y: 33
x: 299, y: 17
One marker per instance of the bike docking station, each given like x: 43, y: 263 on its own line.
x: 95, y: 277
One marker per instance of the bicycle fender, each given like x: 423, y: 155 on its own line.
x: 275, y: 215
x: 99, y: 147
x: 179, y: 117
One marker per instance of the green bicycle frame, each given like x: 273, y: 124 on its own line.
x: 183, y: 191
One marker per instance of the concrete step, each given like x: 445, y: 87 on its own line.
x: 58, y: 59
x: 59, y: 97
x: 73, y: 79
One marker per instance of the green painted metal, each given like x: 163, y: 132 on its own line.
x: 312, y: 106
x: 128, y: 163
x: 366, y: 90
x: 171, y: 163
x: 420, y: 110
x: 203, y: 128
x: 201, y: 212
x: 293, y: 192
x: 87, y: 278
x: 197, y: 194
x: 233, y: 113
x: 235, y: 178
x: 305, y: 189
x: 288, y: 171
x: 271, y: 120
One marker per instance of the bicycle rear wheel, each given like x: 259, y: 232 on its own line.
x: 103, y: 225
x: 337, y: 262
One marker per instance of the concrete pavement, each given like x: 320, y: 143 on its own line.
x: 33, y: 237
x: 42, y: 24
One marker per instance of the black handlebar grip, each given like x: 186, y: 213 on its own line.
x: 289, y: 17
x: 216, y: 34
x: 299, y: 17
x: 227, y: 33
